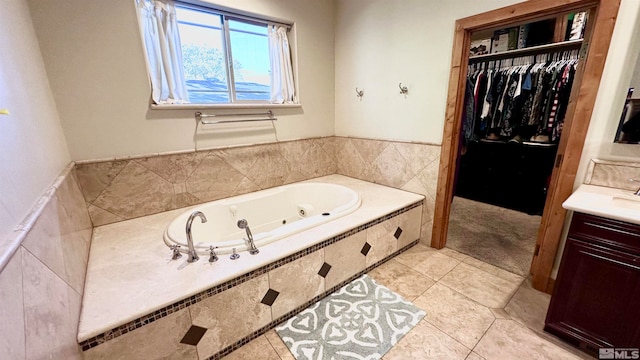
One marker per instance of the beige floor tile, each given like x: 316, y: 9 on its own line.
x: 500, y: 313
x: 489, y: 290
x: 259, y: 348
x: 401, y: 279
x: 454, y: 254
x: 474, y: 356
x: 415, y: 255
x: 459, y: 317
x: 427, y: 342
x: 506, y: 339
x: 493, y: 270
x: 436, y: 266
x: 529, y: 306
x: 279, y: 346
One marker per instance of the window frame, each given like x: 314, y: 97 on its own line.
x: 236, y: 15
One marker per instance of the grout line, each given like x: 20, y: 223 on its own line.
x: 55, y: 273
x: 484, y: 334
x: 110, y: 182
x: 270, y: 344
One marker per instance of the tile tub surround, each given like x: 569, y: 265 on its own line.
x: 128, y: 254
x: 42, y: 285
x: 122, y: 189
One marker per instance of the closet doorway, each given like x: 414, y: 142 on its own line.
x: 592, y: 54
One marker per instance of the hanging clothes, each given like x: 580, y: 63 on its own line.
x: 518, y: 99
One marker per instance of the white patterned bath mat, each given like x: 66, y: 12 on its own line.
x: 362, y: 320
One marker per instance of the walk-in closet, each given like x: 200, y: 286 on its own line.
x: 512, y: 106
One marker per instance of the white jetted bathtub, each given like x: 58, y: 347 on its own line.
x: 271, y: 215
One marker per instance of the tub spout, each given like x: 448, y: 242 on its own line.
x: 243, y: 224
x: 192, y: 254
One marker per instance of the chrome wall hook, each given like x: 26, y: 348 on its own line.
x: 403, y: 89
x: 359, y: 93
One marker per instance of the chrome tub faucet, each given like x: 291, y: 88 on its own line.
x: 243, y: 224
x: 192, y: 254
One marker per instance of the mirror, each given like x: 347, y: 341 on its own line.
x: 628, y: 131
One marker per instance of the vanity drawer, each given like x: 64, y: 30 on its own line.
x: 606, y: 232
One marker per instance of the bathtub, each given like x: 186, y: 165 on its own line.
x: 271, y: 215
x: 137, y: 297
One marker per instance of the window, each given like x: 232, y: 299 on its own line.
x: 225, y: 60
x: 201, y: 55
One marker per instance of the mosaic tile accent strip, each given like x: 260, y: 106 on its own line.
x: 193, y: 335
x: 324, y: 270
x: 270, y: 297
x: 158, y: 314
x: 294, y: 312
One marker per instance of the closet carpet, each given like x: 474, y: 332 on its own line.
x: 502, y: 237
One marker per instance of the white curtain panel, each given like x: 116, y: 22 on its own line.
x: 282, y: 87
x: 159, y: 28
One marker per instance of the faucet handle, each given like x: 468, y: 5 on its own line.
x: 234, y: 255
x: 212, y: 254
x: 176, y: 252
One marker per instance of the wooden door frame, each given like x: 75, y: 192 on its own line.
x: 580, y: 108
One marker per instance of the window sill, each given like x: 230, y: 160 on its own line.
x: 221, y: 106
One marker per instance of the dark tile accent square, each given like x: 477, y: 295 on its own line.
x: 270, y: 297
x: 193, y: 336
x: 397, y: 233
x: 365, y: 249
x: 324, y: 270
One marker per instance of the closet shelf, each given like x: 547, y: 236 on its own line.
x: 564, y: 45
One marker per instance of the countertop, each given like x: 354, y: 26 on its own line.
x: 607, y: 202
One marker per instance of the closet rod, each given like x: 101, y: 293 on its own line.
x: 565, y: 45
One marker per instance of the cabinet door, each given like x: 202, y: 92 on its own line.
x: 597, y: 295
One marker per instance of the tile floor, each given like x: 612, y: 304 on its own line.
x: 474, y: 311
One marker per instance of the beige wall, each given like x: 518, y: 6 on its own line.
x: 94, y: 58
x: 621, y: 62
x: 380, y: 43
x: 33, y: 144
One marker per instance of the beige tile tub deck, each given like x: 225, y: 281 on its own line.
x: 126, y: 255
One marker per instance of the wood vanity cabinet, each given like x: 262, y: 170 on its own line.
x: 596, y: 298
